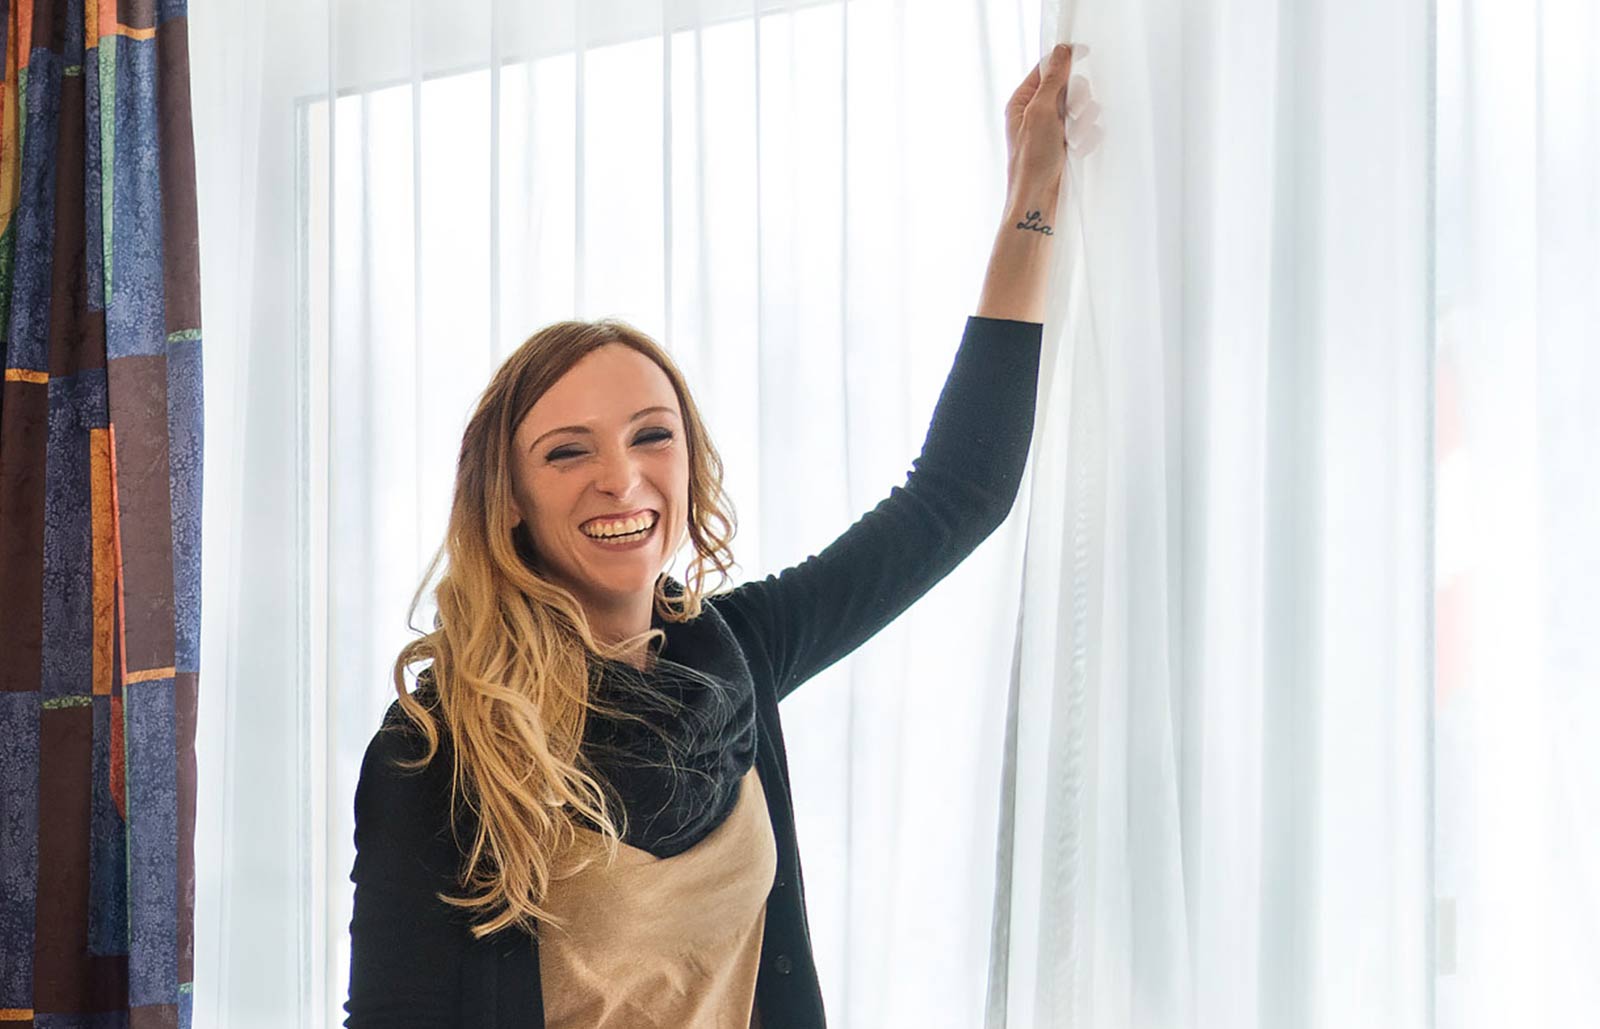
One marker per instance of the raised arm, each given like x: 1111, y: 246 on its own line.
x: 961, y: 487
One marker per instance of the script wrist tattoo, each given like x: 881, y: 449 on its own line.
x: 1034, y: 224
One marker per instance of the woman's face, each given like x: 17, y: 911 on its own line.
x: 606, y: 440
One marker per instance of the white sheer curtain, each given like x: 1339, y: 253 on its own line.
x: 1236, y: 665
x: 1218, y: 802
x: 1519, y: 504
x: 1273, y: 760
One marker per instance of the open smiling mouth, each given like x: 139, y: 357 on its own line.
x: 626, y: 540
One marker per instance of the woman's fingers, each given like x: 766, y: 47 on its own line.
x: 1083, y: 134
x: 1049, y: 72
x: 1078, y: 94
x: 1082, y: 143
x: 1038, y: 143
x: 1057, y: 66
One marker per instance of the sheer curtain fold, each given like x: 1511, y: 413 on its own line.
x: 1519, y: 164
x: 1224, y: 658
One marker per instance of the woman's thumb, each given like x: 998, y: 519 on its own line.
x: 1057, y: 62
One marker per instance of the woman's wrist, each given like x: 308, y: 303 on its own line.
x: 1021, y: 198
x: 1019, y: 264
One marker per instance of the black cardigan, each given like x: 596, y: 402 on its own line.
x: 413, y: 962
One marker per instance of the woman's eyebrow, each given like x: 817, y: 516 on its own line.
x: 585, y: 430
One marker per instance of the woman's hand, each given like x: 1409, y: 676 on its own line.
x: 1048, y: 113
x: 1037, y: 127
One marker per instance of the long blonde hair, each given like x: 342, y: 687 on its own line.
x: 512, y: 652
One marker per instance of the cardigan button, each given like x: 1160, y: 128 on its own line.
x: 782, y: 964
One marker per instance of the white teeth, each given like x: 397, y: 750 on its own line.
x: 626, y: 527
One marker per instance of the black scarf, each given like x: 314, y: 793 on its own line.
x: 677, y: 776
x: 679, y: 783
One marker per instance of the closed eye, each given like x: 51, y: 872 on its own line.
x: 651, y: 436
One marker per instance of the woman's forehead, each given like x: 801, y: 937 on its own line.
x: 606, y: 388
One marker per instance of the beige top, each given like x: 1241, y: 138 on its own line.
x: 663, y: 942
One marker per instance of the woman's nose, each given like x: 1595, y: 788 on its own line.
x: 618, y: 473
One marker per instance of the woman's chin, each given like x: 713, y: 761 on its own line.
x: 618, y: 583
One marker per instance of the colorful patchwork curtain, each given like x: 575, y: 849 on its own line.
x: 100, y: 449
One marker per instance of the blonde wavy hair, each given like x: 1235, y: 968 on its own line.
x: 513, y: 657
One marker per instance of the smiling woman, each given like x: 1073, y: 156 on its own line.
x: 583, y: 470
x: 586, y: 426
x: 623, y: 824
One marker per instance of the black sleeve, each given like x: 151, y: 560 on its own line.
x: 959, y: 490
x: 406, y: 947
